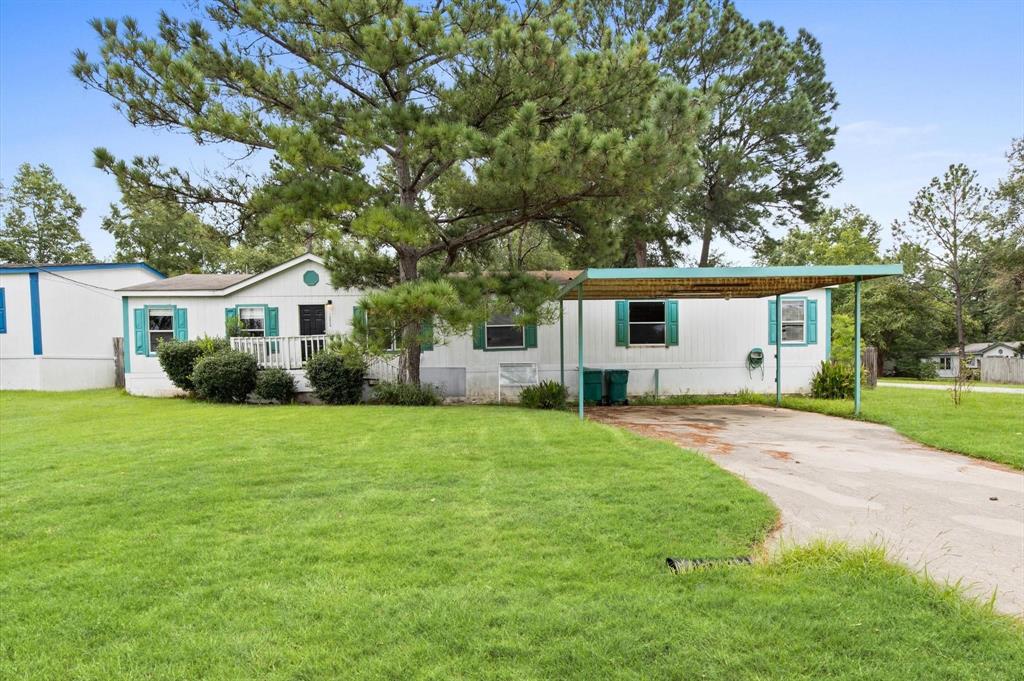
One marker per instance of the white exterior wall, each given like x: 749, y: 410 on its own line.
x: 714, y: 339
x: 79, y: 314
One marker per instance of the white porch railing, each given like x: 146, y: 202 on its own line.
x: 283, y: 352
x: 291, y: 352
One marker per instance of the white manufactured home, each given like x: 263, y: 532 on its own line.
x: 694, y: 342
x: 58, y: 322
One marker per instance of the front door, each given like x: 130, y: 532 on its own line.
x: 312, y: 322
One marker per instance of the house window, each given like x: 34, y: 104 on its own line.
x: 946, y: 363
x: 794, y: 321
x: 160, y: 326
x: 390, y: 338
x: 252, y: 321
x: 502, y: 332
x: 646, y: 322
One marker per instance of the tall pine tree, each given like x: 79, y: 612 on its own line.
x: 418, y: 130
x: 40, y: 220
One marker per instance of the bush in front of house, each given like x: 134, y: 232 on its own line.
x: 178, y: 358
x: 833, y: 381
x: 544, y: 395
x: 334, y: 380
x: 406, y: 394
x: 226, y: 376
x: 912, y: 367
x: 276, y: 385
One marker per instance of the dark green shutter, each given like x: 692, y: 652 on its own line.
x: 622, y: 323
x: 229, y: 314
x: 427, y: 332
x: 359, y: 318
x: 812, y: 322
x: 140, y: 331
x: 180, y: 324
x: 479, y: 336
x: 773, y: 322
x: 530, y: 335
x: 272, y: 324
x: 671, y: 322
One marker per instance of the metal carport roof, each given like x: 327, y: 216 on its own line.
x: 715, y: 282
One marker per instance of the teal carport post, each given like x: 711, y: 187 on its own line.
x: 579, y: 334
x: 561, y: 341
x: 778, y: 350
x: 856, y: 347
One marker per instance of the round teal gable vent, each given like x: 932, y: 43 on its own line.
x: 311, y: 278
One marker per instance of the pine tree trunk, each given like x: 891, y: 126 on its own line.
x: 640, y: 252
x: 960, y: 336
x: 409, y: 368
x: 705, y: 246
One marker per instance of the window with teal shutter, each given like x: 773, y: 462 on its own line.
x: 530, y: 335
x: 140, y: 331
x: 427, y: 333
x: 272, y: 322
x: 180, y: 324
x: 671, y: 322
x: 622, y: 323
x: 812, y: 322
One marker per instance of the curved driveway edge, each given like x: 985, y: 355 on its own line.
x: 958, y: 518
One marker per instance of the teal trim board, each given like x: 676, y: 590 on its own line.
x: 828, y: 324
x: 37, y: 316
x: 125, y: 345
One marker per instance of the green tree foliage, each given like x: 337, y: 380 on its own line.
x: 947, y: 220
x: 417, y: 130
x: 40, y: 219
x: 763, y: 155
x: 1002, y: 256
x: 164, y: 235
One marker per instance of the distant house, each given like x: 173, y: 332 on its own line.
x: 948, y: 366
x: 58, y: 322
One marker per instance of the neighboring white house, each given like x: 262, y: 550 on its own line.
x: 678, y: 346
x: 948, y: 365
x: 58, y: 322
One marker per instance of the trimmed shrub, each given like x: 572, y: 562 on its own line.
x: 178, y: 358
x: 227, y: 376
x: 406, y: 394
x: 275, y: 384
x: 912, y: 367
x: 544, y: 395
x: 832, y: 381
x: 333, y: 380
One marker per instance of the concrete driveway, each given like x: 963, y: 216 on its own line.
x: 961, y: 519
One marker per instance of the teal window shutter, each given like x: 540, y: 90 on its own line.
x: 773, y: 322
x: 229, y: 314
x: 479, y: 338
x: 180, y: 324
x: 530, y: 335
x: 358, y: 317
x: 272, y: 322
x: 427, y: 331
x: 622, y: 323
x: 812, y: 321
x: 3, y: 312
x: 140, y: 332
x: 671, y: 322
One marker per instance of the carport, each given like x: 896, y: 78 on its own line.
x: 714, y: 282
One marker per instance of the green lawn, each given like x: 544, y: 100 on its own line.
x: 985, y: 425
x: 165, y: 539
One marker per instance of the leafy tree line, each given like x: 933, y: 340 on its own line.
x: 962, y: 250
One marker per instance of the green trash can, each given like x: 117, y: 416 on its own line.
x: 593, y: 385
x: 615, y: 390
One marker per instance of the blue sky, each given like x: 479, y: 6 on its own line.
x: 921, y: 85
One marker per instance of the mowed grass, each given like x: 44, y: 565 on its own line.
x: 985, y: 425
x: 166, y: 539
